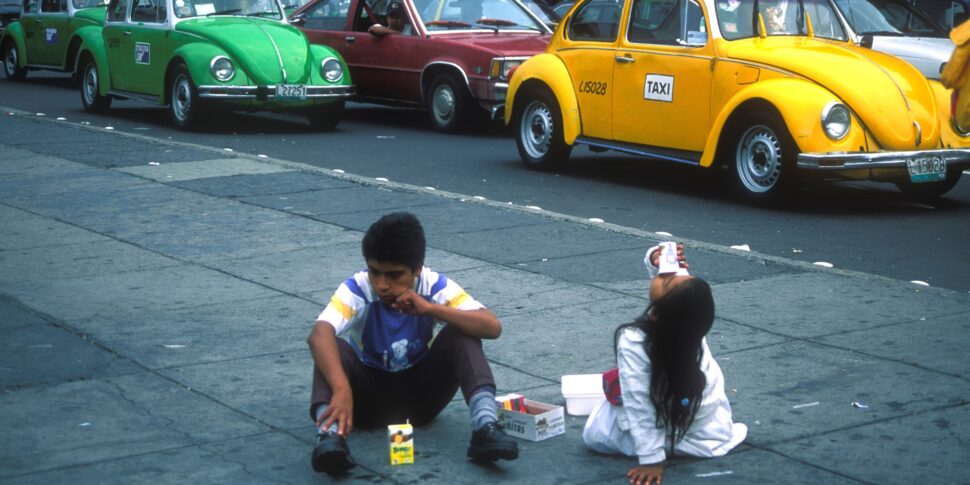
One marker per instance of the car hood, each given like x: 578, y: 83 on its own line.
x: 265, y: 49
x: 887, y: 94
x: 499, y: 44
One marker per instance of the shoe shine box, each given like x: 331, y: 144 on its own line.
x: 401, y: 439
x: 538, y: 420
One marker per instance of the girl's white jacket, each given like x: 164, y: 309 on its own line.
x: 631, y: 429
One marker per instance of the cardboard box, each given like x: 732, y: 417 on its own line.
x: 539, y: 421
x: 401, y: 440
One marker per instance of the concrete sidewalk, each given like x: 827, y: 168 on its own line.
x: 155, y: 298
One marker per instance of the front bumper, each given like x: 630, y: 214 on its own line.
x: 955, y: 157
x: 267, y: 93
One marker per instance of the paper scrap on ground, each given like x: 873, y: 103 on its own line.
x: 921, y: 283
x: 741, y: 247
x: 714, y: 474
x: 860, y: 405
x: 595, y: 219
x: 173, y: 346
x: 663, y: 233
x: 799, y: 406
x: 823, y: 264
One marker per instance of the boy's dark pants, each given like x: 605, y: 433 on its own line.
x: 417, y: 394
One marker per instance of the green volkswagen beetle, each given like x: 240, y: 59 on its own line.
x: 46, y: 35
x: 196, y: 55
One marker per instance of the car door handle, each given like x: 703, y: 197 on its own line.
x: 350, y: 39
x: 625, y: 60
x: 126, y: 33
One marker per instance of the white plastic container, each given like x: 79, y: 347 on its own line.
x: 582, y: 392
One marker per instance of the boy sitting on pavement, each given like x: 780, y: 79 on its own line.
x: 393, y: 366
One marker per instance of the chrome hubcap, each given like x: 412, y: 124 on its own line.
x: 181, y: 98
x: 443, y: 104
x: 759, y: 159
x: 10, y: 61
x: 90, y: 84
x: 536, y: 129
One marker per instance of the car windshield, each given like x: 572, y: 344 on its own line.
x: 211, y: 8
x: 947, y: 13
x: 737, y: 19
x: 444, y: 15
x: 78, y: 4
x: 888, y: 17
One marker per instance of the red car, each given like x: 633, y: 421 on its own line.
x: 452, y: 57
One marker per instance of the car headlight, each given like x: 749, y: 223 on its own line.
x: 836, y: 120
x: 331, y: 70
x: 502, y: 68
x: 222, y: 68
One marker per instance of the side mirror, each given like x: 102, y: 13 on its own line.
x: 866, y: 41
x: 298, y: 19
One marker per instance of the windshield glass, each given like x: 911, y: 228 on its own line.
x: 210, y: 8
x: 737, y: 18
x: 445, y: 15
x: 887, y: 17
x: 78, y: 4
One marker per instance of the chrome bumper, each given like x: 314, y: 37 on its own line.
x: 263, y: 93
x: 859, y: 160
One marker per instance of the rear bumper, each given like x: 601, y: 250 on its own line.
x: 263, y: 93
x: 955, y: 157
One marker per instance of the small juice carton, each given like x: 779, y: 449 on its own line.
x: 401, y: 439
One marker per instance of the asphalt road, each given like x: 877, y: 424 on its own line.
x: 866, y: 227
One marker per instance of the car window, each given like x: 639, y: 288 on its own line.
x: 327, y: 15
x: 31, y: 6
x: 247, y: 8
x: 151, y: 11
x: 736, y: 18
x: 888, y: 17
x: 947, y: 13
x: 596, y: 20
x: 439, y: 15
x: 87, y: 3
x: 662, y: 22
x: 53, y: 6
x: 117, y: 10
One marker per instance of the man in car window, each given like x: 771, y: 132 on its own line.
x: 397, y: 22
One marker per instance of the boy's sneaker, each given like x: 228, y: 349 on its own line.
x: 490, y: 443
x: 331, y: 455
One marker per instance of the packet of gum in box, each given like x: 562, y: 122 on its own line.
x: 401, y: 439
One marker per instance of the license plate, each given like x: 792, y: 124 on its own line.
x: 929, y: 169
x: 291, y: 91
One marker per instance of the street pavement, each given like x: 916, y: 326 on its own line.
x: 155, y: 298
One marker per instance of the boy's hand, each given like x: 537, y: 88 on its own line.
x: 411, y: 303
x: 646, y: 474
x: 341, y: 411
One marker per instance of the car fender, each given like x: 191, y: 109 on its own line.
x: 320, y: 52
x: 15, y: 33
x: 949, y: 138
x: 443, y: 65
x: 799, y: 102
x: 197, y: 56
x: 92, y: 44
x: 549, y: 70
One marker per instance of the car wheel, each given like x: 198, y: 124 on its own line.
x: 91, y: 98
x: 931, y: 190
x: 11, y: 57
x: 539, y: 133
x: 763, y: 158
x: 184, y: 106
x: 327, y: 117
x: 449, y: 103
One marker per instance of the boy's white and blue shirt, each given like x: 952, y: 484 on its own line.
x: 383, y: 337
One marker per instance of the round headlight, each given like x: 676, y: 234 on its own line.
x: 836, y: 120
x: 331, y: 70
x: 222, y: 68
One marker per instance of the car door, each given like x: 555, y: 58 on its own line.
x: 146, y: 52
x: 593, y: 33
x: 116, y: 42
x: 49, y: 41
x: 663, y: 76
x: 32, y: 24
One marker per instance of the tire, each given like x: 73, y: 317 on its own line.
x: 762, y: 158
x: 326, y: 118
x: 91, y: 98
x: 11, y: 57
x: 449, y: 103
x: 185, y: 109
x: 931, y: 190
x: 539, y: 130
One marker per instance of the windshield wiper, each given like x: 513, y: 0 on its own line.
x: 496, y: 23
x: 225, y: 12
x: 263, y: 14
x: 888, y: 33
x: 448, y: 24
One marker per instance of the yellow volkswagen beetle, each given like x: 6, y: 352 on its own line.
x: 772, y: 89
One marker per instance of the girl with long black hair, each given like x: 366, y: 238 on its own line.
x: 673, y: 396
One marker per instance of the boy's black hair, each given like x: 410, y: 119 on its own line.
x: 396, y: 238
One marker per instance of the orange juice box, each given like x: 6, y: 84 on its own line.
x: 401, y: 439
